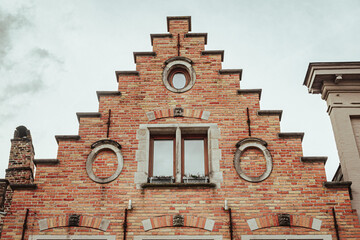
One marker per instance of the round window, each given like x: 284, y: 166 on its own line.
x: 178, y: 75
x: 179, y: 78
x: 179, y: 81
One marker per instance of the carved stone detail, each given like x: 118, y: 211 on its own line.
x: 178, y: 221
x: 105, y: 141
x: 74, y: 220
x: 284, y: 219
x: 99, y: 146
x: 252, y: 143
x: 178, y: 112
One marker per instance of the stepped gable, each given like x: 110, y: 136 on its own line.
x: 252, y: 180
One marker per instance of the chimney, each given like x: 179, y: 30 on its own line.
x: 21, y: 165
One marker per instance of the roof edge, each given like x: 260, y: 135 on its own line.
x: 214, y: 52
x: 170, y: 18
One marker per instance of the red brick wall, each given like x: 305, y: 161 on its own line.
x: 293, y: 187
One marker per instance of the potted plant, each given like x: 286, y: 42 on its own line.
x: 161, y: 179
x: 195, y: 178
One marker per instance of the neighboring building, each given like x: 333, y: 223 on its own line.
x: 339, y: 85
x: 177, y: 152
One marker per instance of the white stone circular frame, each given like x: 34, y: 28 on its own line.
x: 253, y: 143
x: 92, y: 156
x: 174, y: 63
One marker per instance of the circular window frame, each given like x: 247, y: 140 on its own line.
x: 253, y: 143
x: 177, y: 70
x: 178, y: 65
x: 92, y: 156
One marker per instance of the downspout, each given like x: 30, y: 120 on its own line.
x: 335, y: 224
x: 25, y: 224
x: 231, y: 225
x: 248, y: 121
x: 125, y: 224
x: 226, y: 208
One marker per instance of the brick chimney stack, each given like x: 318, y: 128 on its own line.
x: 21, y: 166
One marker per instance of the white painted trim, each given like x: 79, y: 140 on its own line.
x: 286, y: 237
x: 72, y: 237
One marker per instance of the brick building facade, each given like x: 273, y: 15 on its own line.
x: 179, y: 151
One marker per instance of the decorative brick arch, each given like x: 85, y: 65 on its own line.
x: 81, y: 221
x: 177, y: 112
x: 295, y: 221
x: 188, y: 221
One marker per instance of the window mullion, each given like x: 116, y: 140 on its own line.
x: 178, y: 164
x: 151, y: 157
x: 206, y: 157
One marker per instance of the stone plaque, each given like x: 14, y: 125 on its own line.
x: 74, y: 220
x: 284, y: 219
x: 178, y: 221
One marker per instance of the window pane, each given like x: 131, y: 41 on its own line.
x: 163, y: 158
x: 194, y: 157
x: 179, y: 80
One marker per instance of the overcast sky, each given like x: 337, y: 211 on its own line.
x: 55, y: 55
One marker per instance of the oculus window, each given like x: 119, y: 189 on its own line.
x: 179, y: 75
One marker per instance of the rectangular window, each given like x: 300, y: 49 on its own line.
x: 193, y: 156
x: 162, y: 156
x: 178, y: 153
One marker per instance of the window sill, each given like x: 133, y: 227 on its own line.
x: 178, y: 185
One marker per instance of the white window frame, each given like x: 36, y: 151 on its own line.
x: 72, y: 237
x: 214, y: 153
x: 286, y: 237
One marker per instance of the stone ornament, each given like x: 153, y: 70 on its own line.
x: 107, y: 145
x: 178, y: 112
x: 21, y: 132
x: 175, y: 63
x: 74, y: 220
x: 253, y: 143
x: 178, y: 221
x: 284, y: 220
